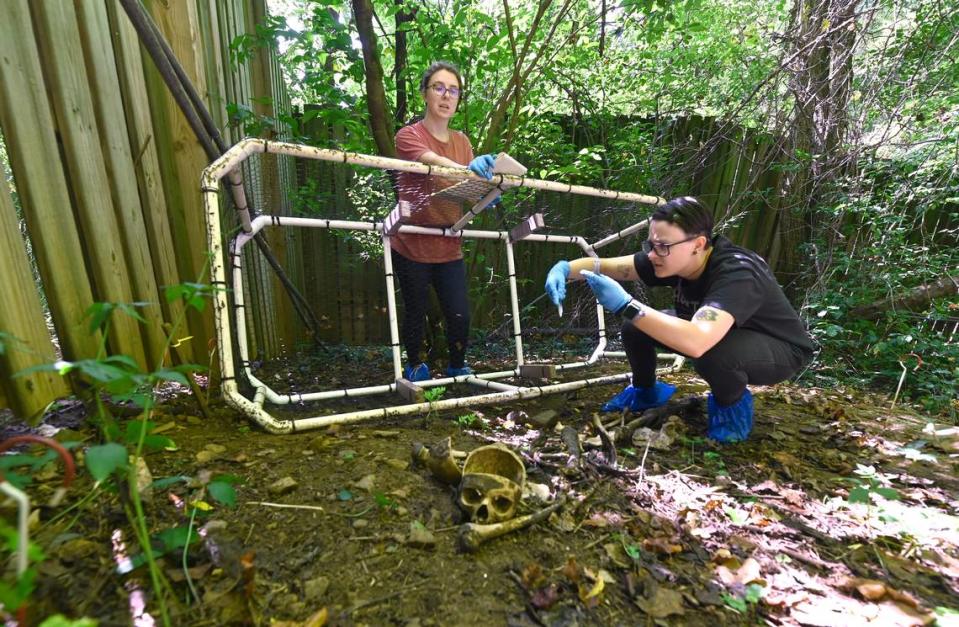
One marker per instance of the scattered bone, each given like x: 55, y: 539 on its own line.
x: 492, y: 485
x: 660, y: 440
x: 438, y: 459
x: 472, y: 536
x: 571, y: 439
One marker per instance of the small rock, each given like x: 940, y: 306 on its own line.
x: 545, y: 419
x: 69, y: 435
x: 193, y: 420
x: 537, y: 491
x: 314, y: 589
x: 308, y: 453
x: 319, y: 443
x: 206, y: 456
x: 216, y: 448
x: 76, y: 550
x: 283, y: 486
x: 386, y: 434
x: 399, y: 464
x: 366, y: 483
x: 359, y: 523
x: 402, y: 511
x: 420, y: 537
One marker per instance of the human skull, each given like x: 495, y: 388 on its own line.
x: 492, y: 484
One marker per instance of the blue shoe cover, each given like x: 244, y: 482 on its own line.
x: 732, y: 423
x: 458, y: 372
x: 638, y: 399
x: 419, y: 372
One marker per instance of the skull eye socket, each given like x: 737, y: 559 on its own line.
x: 502, y: 504
x: 472, y: 496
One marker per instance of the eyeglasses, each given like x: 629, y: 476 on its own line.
x: 440, y: 90
x: 662, y: 250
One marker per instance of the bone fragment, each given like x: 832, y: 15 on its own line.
x: 438, y: 459
x: 472, y: 536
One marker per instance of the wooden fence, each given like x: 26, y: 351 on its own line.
x: 106, y: 178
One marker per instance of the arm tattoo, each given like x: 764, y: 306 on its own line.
x: 707, y: 314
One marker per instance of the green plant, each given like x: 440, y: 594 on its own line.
x: 119, y: 379
x: 467, y: 420
x: 14, y: 594
x: 869, y: 484
x: 751, y: 595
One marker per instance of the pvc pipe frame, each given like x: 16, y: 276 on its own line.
x: 230, y: 163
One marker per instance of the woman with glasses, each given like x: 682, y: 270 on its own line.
x: 420, y: 261
x: 732, y: 318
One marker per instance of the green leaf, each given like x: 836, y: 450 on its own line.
x: 735, y: 603
x: 222, y: 492
x: 59, y: 620
x: 166, y: 374
x: 736, y: 516
x: 859, y: 495
x: 103, y: 459
x: 887, y: 493
x: 166, y: 482
x: 177, y: 537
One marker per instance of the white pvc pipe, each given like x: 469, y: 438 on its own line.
x: 231, y: 160
x: 514, y: 304
x: 303, y: 424
x: 23, y: 523
x: 391, y: 309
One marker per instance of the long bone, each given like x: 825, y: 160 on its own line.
x: 472, y: 536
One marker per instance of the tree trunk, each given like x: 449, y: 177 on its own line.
x: 376, y: 104
x: 400, y: 62
x: 916, y: 299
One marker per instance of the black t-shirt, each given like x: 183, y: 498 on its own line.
x: 739, y: 282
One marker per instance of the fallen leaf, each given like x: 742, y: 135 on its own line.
x: 664, y: 602
x: 545, y: 598
x: 589, y: 595
x: 748, y: 572
x: 662, y: 546
x: 572, y: 570
x: 533, y: 576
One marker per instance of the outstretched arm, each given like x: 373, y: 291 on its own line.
x: 619, y: 268
x: 689, y: 337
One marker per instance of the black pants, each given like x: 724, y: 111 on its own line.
x: 449, y: 281
x: 741, y: 357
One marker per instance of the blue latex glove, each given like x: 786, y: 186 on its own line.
x: 556, y: 282
x: 483, y: 166
x: 609, y: 293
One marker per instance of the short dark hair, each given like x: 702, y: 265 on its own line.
x: 435, y: 67
x: 688, y: 214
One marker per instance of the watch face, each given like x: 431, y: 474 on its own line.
x: 631, y: 309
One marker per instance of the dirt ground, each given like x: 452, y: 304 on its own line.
x: 837, y: 511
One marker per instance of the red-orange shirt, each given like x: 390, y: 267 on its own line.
x: 411, y: 142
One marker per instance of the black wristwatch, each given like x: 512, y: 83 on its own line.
x: 632, y: 309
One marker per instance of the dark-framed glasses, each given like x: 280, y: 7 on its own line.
x: 440, y: 90
x: 661, y: 249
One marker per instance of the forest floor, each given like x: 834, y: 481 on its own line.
x: 836, y: 511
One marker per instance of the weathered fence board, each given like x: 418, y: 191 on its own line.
x: 146, y: 166
x: 21, y: 317
x: 29, y: 131
x: 69, y: 88
x: 107, y: 169
x: 120, y: 175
